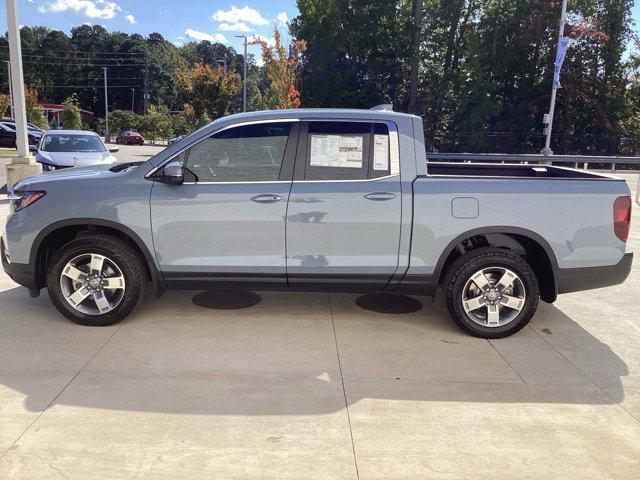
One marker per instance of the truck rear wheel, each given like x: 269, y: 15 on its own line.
x: 96, y: 280
x: 491, y: 293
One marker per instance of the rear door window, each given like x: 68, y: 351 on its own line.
x: 346, y: 151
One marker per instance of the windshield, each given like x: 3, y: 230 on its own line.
x: 72, y: 143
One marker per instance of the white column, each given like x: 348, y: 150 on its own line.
x: 17, y: 79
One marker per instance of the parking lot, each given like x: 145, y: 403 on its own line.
x: 278, y: 385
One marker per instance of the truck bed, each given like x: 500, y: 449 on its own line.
x: 497, y: 170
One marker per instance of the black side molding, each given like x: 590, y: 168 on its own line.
x: 587, y: 278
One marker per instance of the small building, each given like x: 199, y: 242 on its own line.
x: 53, y: 112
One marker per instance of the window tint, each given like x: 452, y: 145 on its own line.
x: 243, y: 154
x: 347, y: 151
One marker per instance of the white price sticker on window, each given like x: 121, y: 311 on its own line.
x: 381, y: 152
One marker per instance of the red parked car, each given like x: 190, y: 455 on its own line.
x: 130, y: 138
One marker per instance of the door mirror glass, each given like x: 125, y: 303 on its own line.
x: 114, y: 149
x: 172, y: 173
x: 33, y: 148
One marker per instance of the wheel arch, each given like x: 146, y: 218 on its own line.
x: 57, y: 233
x: 537, y: 250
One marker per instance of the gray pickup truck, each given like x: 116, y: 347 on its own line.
x: 317, y: 200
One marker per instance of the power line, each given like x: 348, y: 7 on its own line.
x: 78, y: 51
x: 90, y: 64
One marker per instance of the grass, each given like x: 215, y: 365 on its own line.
x: 8, y: 151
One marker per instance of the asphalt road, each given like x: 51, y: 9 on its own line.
x: 135, y: 153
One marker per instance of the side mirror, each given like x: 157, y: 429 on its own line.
x: 172, y: 173
x: 33, y: 148
x: 114, y: 149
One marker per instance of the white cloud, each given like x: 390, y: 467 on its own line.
x: 282, y: 17
x: 259, y: 61
x: 196, y: 35
x: 234, y: 27
x: 105, y: 9
x: 245, y: 14
x: 219, y: 37
x: 131, y: 19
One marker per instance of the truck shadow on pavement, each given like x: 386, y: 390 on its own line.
x: 293, y: 354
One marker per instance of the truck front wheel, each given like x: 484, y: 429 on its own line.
x: 491, y: 293
x: 96, y: 280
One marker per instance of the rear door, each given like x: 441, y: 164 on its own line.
x: 344, y: 214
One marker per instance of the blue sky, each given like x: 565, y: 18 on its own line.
x: 178, y: 21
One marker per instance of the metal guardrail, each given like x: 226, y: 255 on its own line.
x: 576, y: 160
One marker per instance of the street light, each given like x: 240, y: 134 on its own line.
x: 244, y: 79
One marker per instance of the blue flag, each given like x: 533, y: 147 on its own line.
x: 562, y: 52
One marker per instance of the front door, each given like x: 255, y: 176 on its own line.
x: 343, y: 221
x: 225, y: 226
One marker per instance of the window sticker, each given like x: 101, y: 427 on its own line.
x: 381, y: 152
x: 343, y: 151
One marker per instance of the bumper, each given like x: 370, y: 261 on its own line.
x: 23, y: 274
x: 577, y: 279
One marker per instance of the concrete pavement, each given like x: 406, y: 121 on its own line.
x: 313, y: 386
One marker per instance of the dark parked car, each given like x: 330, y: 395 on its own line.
x: 130, y: 138
x: 8, y: 134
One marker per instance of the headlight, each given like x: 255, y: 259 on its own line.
x: 21, y: 200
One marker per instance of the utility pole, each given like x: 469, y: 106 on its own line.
x: 145, y: 103
x: 244, y: 78
x: 133, y: 99
x: 12, y: 117
x: 548, y: 119
x: 107, y: 136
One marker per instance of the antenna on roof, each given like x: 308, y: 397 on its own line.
x: 386, y: 107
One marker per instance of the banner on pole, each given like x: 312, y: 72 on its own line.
x: 562, y: 52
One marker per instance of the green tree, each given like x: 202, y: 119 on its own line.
x: 35, y: 114
x: 210, y: 90
x: 71, y: 119
x: 5, y: 103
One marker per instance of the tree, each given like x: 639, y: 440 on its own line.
x: 281, y: 67
x: 5, y: 103
x: 415, y: 61
x: 35, y: 114
x: 210, y: 91
x: 71, y: 119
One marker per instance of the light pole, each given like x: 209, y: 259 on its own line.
x: 548, y: 120
x: 17, y: 78
x: 22, y: 165
x: 244, y: 78
x: 133, y: 99
x: 10, y: 91
x: 107, y: 137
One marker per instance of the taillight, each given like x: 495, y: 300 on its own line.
x: 622, y: 217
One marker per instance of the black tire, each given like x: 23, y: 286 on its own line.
x: 469, y: 264
x: 126, y: 258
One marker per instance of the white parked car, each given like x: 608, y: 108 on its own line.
x: 72, y: 148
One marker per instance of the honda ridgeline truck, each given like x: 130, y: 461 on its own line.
x: 317, y: 200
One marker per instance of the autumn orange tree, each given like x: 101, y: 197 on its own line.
x: 210, y: 91
x: 281, y: 68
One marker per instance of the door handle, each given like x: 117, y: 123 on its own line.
x: 380, y: 196
x: 266, y: 198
